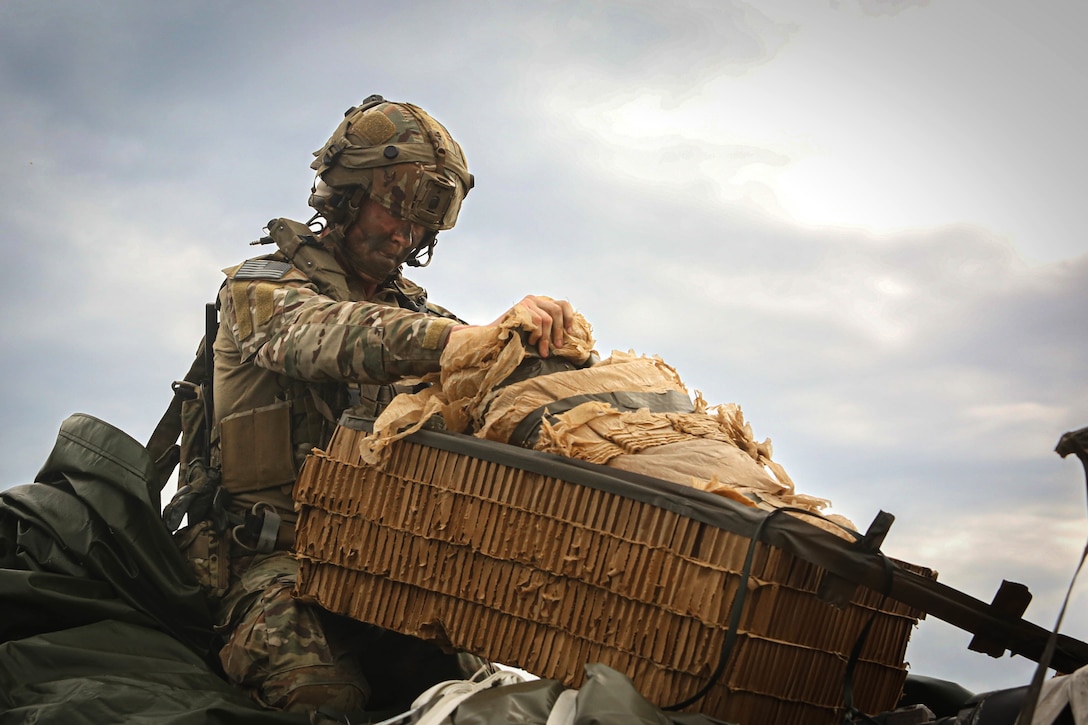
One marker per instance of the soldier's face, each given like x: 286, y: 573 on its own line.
x: 377, y: 243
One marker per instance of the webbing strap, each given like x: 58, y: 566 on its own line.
x: 738, y: 605
x: 850, y: 713
x: 527, y: 432
x: 162, y: 445
x: 734, y: 617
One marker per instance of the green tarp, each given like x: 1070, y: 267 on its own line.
x: 100, y: 618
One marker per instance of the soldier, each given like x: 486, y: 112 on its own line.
x: 325, y: 323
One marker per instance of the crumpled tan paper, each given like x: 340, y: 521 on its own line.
x: 474, y: 362
x: 712, y: 448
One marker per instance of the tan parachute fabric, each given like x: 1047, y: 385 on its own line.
x: 712, y: 448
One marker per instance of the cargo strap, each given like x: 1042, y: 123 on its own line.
x: 163, y: 446
x: 527, y: 432
x: 734, y: 618
x: 850, y: 713
x: 738, y: 606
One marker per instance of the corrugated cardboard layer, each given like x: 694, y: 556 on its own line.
x: 632, y: 627
x: 599, y: 613
x: 779, y: 670
x: 550, y: 496
x: 634, y: 562
x: 548, y: 575
x: 628, y: 624
x: 672, y: 583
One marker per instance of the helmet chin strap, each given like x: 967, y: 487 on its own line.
x: 333, y: 235
x: 317, y: 223
x: 414, y: 261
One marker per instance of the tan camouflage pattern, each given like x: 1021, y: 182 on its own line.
x: 328, y: 330
x: 394, y: 187
x: 208, y: 554
x: 285, y: 341
x: 306, y: 338
x: 290, y: 655
x: 277, y: 650
x: 290, y: 328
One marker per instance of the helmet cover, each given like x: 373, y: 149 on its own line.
x: 397, y: 155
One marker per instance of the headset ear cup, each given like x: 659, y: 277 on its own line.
x: 338, y: 205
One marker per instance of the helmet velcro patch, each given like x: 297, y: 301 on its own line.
x: 373, y: 127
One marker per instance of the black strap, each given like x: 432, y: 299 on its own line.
x: 211, y: 331
x: 850, y: 713
x: 259, y: 530
x: 738, y: 604
x: 162, y: 445
x: 527, y: 432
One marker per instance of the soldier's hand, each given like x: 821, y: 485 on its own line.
x: 552, y: 318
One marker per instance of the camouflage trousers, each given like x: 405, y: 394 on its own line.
x: 292, y: 655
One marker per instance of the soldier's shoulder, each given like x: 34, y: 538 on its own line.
x: 410, y: 288
x: 269, y: 268
x: 418, y: 295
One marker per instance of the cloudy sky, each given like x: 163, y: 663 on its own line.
x: 858, y: 219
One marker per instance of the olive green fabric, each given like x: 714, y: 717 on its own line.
x: 100, y: 618
x: 117, y: 672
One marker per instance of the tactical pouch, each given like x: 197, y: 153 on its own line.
x: 256, y: 450
x: 208, y: 554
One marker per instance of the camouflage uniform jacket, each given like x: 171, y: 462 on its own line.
x: 299, y: 341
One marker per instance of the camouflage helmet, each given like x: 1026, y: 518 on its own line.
x: 397, y: 155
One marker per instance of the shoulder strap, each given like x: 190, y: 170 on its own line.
x: 299, y: 245
x: 163, y: 443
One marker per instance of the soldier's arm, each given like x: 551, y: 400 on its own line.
x: 288, y: 327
